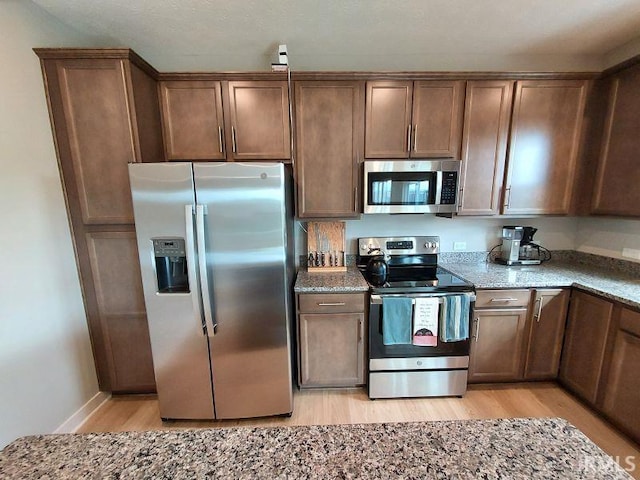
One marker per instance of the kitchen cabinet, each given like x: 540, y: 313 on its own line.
x: 622, y: 393
x: 618, y: 174
x: 498, y: 335
x: 419, y: 119
x: 544, y: 146
x: 104, y: 112
x: 546, y: 333
x: 585, y: 344
x: 484, y: 146
x: 329, y: 141
x: 331, y: 340
x: 232, y: 120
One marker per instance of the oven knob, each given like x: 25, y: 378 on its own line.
x: 419, y: 362
x: 363, y: 247
x: 429, y: 245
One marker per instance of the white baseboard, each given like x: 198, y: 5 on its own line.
x: 76, y: 420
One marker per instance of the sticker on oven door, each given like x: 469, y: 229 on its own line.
x: 425, y: 321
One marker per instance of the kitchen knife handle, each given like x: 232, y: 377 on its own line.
x: 204, y: 278
x: 190, y: 247
x: 220, y: 137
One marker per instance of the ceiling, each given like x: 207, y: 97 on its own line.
x: 217, y: 35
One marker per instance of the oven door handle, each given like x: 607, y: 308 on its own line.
x: 377, y: 299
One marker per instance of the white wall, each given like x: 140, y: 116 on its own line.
x: 46, y: 365
x: 622, y: 53
x: 608, y: 236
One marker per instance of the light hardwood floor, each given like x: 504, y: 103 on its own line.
x: 313, y: 407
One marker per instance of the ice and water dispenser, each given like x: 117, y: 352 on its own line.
x: 171, y: 265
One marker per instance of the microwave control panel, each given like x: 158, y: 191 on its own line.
x: 449, y: 188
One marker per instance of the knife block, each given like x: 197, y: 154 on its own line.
x: 326, y: 247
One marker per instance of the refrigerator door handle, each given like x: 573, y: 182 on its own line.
x: 204, y: 278
x: 190, y: 247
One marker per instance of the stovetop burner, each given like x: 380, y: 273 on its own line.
x: 412, y: 265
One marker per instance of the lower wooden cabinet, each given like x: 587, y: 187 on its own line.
x: 621, y: 401
x: 497, y: 344
x: 546, y: 333
x: 331, y: 340
x: 585, y: 344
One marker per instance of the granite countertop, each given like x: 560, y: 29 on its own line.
x: 526, y: 448
x: 615, y: 285
x: 321, y: 282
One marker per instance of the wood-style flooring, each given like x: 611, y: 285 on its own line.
x: 338, y: 406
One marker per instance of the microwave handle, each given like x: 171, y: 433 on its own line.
x: 438, y: 187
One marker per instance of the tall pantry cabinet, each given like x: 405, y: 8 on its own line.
x: 104, y: 114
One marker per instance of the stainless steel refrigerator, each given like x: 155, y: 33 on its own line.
x: 216, y: 258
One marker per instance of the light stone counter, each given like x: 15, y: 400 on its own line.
x: 350, y: 281
x: 526, y: 448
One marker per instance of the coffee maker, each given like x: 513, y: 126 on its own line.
x: 518, y: 247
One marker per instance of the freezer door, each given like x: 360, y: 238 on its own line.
x: 246, y: 241
x: 164, y: 209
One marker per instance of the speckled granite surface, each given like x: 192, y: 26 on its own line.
x: 613, y: 284
x: 350, y: 281
x: 490, y: 449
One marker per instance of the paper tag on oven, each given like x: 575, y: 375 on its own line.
x: 425, y: 321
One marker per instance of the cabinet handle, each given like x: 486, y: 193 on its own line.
x: 359, y: 330
x: 508, y: 299
x: 507, y: 194
x: 537, y: 315
x: 415, y: 138
x: 220, y: 137
x: 355, y: 199
x: 233, y: 139
x: 332, y: 304
x: 477, y: 322
x: 409, y: 138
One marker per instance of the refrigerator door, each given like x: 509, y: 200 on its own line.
x: 245, y: 223
x: 164, y: 209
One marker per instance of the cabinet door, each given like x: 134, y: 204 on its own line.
x: 616, y: 191
x: 622, y: 394
x: 259, y: 119
x: 329, y: 143
x: 585, y: 344
x: 388, y: 119
x: 484, y: 146
x: 543, y: 148
x: 99, y: 132
x: 192, y: 120
x: 546, y: 333
x: 497, y: 345
x: 437, y: 118
x: 115, y: 272
x: 331, y: 349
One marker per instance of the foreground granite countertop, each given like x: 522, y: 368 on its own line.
x: 542, y: 448
x: 619, y: 286
x: 350, y: 281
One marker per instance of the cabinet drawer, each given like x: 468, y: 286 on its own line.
x: 502, y: 298
x: 331, y: 302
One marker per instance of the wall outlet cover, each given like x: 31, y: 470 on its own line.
x: 459, y: 246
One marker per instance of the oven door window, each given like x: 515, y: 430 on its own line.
x: 401, y: 188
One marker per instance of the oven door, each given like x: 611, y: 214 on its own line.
x: 411, y: 186
x: 412, y: 370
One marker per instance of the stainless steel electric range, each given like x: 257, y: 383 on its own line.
x: 407, y: 267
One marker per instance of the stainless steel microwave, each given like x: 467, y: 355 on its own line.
x: 411, y: 186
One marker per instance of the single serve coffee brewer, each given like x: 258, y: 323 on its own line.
x: 518, y: 247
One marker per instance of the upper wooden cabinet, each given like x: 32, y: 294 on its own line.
x: 484, y: 146
x: 618, y: 176
x: 543, y: 146
x: 329, y: 143
x: 421, y: 119
x: 235, y: 120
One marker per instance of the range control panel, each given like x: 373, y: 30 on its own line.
x: 398, y: 245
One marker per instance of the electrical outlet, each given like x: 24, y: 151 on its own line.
x: 631, y: 253
x: 459, y: 246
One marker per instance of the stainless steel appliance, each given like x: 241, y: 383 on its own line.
x: 411, y: 186
x: 407, y: 370
x: 216, y: 263
x: 518, y: 247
